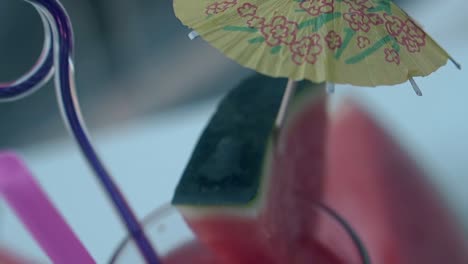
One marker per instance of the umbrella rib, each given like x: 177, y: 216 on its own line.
x: 193, y: 35
x: 458, y: 65
x: 415, y: 86
x: 416, y: 63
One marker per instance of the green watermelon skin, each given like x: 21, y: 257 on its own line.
x: 225, y: 168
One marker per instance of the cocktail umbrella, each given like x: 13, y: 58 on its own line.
x: 358, y: 42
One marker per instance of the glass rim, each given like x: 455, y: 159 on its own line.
x: 166, y: 209
x: 161, y: 211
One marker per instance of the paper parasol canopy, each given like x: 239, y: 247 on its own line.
x: 359, y: 42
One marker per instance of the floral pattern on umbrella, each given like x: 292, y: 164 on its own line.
x: 290, y: 38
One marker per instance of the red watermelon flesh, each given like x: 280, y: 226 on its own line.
x: 283, y: 225
x: 290, y: 217
x: 195, y: 253
x: 354, y: 167
x: 190, y: 253
x: 237, y: 240
x: 386, y: 197
x: 279, y: 232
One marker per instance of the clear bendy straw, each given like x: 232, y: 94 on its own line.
x: 57, y: 60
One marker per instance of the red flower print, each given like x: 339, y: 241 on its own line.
x: 392, y: 55
x: 333, y: 40
x: 247, y: 10
x: 279, y: 30
x: 413, y: 44
x: 214, y: 8
x: 306, y: 50
x: 394, y: 26
x: 362, y: 42
x: 358, y: 21
x: 219, y: 7
x: 407, y: 33
x: 256, y: 22
x: 358, y: 5
x: 317, y: 7
x: 415, y: 33
x: 375, y: 19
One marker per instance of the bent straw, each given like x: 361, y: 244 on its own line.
x: 24, y: 195
x: 39, y: 74
x: 59, y: 57
x: 68, y: 101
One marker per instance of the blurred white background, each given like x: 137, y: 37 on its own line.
x: 146, y: 116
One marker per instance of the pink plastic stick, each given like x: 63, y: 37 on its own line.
x: 40, y: 217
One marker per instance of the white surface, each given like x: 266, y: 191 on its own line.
x: 148, y: 157
x: 146, y: 160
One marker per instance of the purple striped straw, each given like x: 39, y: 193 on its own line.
x: 58, y: 54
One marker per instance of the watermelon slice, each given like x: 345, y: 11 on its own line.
x: 252, y: 194
x: 386, y: 197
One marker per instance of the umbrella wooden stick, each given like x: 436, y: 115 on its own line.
x: 288, y: 93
